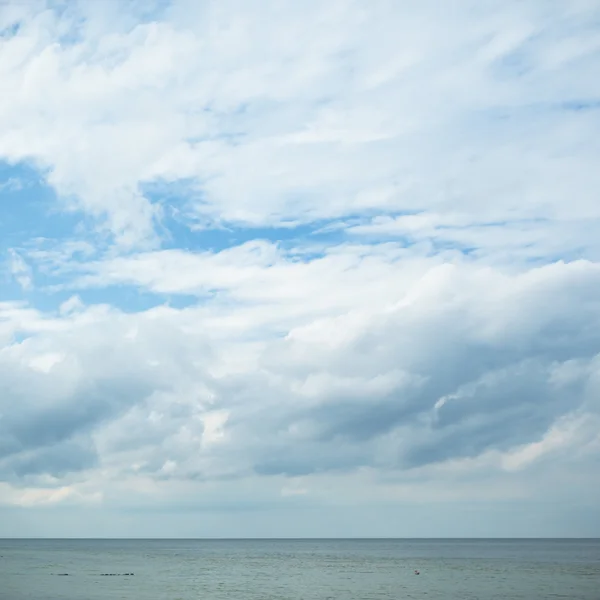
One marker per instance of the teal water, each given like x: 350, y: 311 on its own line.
x: 299, y: 569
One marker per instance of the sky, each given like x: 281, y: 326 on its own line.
x: 299, y: 269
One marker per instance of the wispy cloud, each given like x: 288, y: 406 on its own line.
x: 20, y: 270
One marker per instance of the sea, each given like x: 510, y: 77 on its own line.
x: 299, y: 569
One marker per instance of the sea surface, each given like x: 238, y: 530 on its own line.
x: 299, y: 569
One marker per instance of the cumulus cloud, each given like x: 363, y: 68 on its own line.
x: 406, y: 310
x: 465, y: 363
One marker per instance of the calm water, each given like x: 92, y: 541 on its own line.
x: 300, y: 569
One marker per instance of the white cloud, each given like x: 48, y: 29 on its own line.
x: 20, y: 270
x: 436, y: 341
x: 294, y: 114
x: 12, y: 184
x: 38, y: 496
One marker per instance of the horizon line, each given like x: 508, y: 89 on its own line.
x: 292, y: 539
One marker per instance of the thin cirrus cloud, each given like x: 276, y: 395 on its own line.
x: 327, y: 269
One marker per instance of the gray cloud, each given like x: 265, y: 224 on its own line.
x: 102, y: 370
x: 439, y: 378
x: 56, y: 460
x: 493, y: 390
